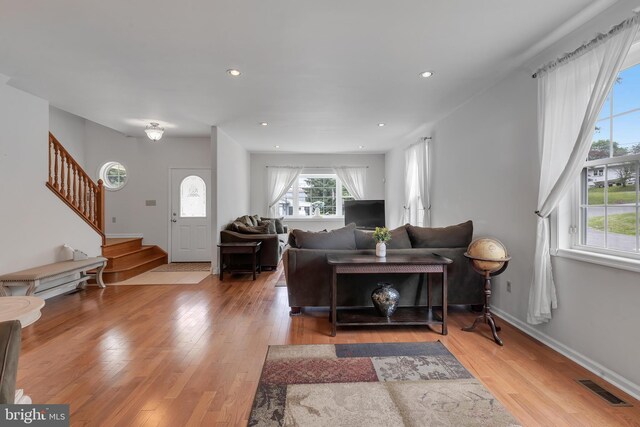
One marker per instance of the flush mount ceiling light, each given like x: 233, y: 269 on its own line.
x: 264, y: 124
x: 380, y: 124
x: 361, y: 146
x: 426, y: 74
x: 154, y: 131
x: 233, y: 72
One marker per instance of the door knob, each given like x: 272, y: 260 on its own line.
x: 174, y: 220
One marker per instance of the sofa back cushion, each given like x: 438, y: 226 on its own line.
x: 399, y: 239
x: 342, y: 238
x: 454, y: 236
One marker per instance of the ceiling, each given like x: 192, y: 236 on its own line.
x: 323, y: 74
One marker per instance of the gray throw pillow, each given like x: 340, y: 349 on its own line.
x: 342, y: 238
x: 246, y: 229
x: 271, y: 226
x: 278, y: 221
x: 454, y: 236
x: 399, y: 239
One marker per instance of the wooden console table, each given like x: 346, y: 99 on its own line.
x: 370, y: 264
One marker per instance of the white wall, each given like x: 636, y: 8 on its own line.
x: 34, y: 222
x: 69, y: 130
x: 232, y: 173
x: 394, y: 186
x: 374, y: 188
x: 486, y: 168
x: 147, y: 165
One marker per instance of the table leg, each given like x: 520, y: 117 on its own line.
x: 221, y: 265
x: 445, y: 301
x: 253, y: 264
x: 334, y: 301
x: 429, y: 299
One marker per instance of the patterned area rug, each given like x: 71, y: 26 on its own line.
x: 184, y: 266
x: 389, y: 384
x: 282, y: 281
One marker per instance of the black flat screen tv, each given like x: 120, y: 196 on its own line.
x: 367, y: 214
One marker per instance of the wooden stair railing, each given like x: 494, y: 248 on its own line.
x: 73, y: 185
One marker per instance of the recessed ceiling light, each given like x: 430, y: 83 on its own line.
x: 233, y: 72
x: 264, y: 124
x: 276, y: 146
x: 361, y: 146
x: 381, y: 124
x: 426, y: 74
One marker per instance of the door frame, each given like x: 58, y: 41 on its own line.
x: 170, y: 204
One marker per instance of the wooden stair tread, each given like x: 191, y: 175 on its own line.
x: 133, y: 265
x: 113, y: 241
x: 133, y: 252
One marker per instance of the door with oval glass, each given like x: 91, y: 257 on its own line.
x: 190, y: 215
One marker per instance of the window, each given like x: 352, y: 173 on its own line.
x: 323, y: 192
x: 608, y: 200
x: 113, y: 175
x: 193, y: 197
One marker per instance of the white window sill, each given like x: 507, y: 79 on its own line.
x: 600, y: 259
x: 312, y: 218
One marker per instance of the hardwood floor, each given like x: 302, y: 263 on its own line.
x: 176, y: 355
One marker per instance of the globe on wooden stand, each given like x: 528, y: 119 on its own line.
x: 489, y: 258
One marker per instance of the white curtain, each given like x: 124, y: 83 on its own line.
x: 417, y: 182
x: 353, y: 178
x: 570, y: 97
x: 279, y: 180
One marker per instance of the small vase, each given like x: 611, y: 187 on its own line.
x: 381, y: 249
x: 385, y: 299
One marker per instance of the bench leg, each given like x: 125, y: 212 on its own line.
x: 3, y: 291
x: 99, y: 276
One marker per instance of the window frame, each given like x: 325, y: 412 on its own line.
x: 569, y: 243
x: 102, y: 171
x: 295, y: 191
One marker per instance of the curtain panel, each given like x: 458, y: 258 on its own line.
x: 353, y: 178
x: 279, y: 180
x: 417, y: 193
x: 571, y: 94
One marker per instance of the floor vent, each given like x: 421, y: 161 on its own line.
x: 611, y: 398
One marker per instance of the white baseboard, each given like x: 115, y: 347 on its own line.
x: 124, y: 236
x: 582, y: 360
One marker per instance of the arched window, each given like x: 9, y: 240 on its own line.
x: 113, y: 175
x: 193, y: 197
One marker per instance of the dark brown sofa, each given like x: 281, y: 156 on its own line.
x: 254, y: 229
x: 309, y: 276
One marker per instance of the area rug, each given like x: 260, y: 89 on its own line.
x: 184, y: 266
x: 388, y: 384
x: 282, y: 281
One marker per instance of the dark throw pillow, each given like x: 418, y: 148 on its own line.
x: 399, y: 239
x: 278, y: 221
x: 454, y: 236
x: 270, y: 224
x: 246, y: 229
x: 342, y: 238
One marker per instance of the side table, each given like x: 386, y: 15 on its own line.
x: 247, y: 248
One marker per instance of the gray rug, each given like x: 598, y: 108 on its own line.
x: 183, y: 266
x: 389, y: 384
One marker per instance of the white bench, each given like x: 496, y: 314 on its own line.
x: 54, y: 279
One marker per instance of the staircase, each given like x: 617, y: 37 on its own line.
x: 68, y: 181
x: 129, y: 257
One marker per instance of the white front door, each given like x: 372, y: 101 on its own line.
x: 190, y: 215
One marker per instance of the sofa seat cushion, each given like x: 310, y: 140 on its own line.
x: 342, y: 238
x: 455, y: 236
x: 399, y: 239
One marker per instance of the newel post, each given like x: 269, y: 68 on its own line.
x: 100, y: 205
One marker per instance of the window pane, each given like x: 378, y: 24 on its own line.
x: 317, y: 193
x: 594, y: 230
x: 193, y: 197
x: 621, y: 228
x: 626, y: 134
x: 600, y: 148
x: 285, y: 205
x: 113, y: 175
x: 595, y: 185
x: 626, y: 90
x: 606, y: 108
x: 622, y: 184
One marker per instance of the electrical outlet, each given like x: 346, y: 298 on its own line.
x: 508, y: 286
x: 113, y: 219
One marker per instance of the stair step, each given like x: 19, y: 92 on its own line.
x: 114, y: 247
x: 128, y: 258
x: 134, y: 268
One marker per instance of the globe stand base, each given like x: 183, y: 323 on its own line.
x: 486, y: 316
